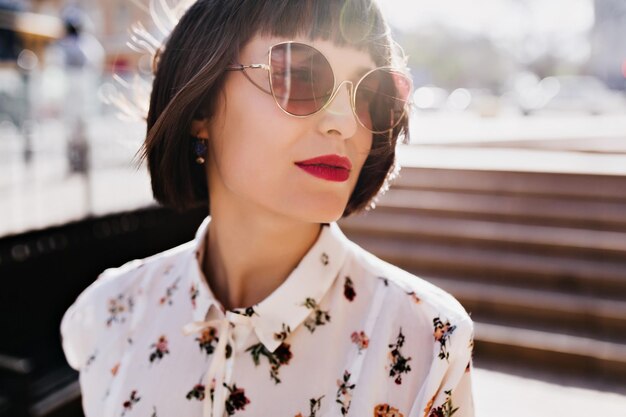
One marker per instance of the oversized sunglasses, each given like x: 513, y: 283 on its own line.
x: 303, y: 83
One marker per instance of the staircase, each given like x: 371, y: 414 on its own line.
x: 537, y: 258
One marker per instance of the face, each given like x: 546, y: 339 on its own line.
x: 255, y: 147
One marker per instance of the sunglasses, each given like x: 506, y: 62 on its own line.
x: 303, y: 83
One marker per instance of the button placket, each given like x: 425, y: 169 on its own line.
x: 221, y: 368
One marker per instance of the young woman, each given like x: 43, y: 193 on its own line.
x: 283, y: 116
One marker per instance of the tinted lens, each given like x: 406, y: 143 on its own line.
x: 301, y: 78
x: 381, y: 99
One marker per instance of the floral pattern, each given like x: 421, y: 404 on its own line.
x: 470, y: 346
x: 197, y: 392
x: 160, y: 349
x: 344, y: 392
x: 348, y: 289
x: 414, y: 297
x: 132, y: 400
x: 360, y: 339
x: 169, y: 293
x: 315, y: 404
x: 317, y: 318
x: 385, y: 410
x: 447, y: 409
x: 248, y: 311
x: 212, y: 390
x: 280, y: 357
x: 399, y: 363
x: 236, y: 400
x: 193, y: 294
x: 90, y: 359
x: 118, y: 307
x: 208, y: 339
x: 282, y: 335
x: 442, y: 335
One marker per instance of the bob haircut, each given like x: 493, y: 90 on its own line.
x: 190, y: 70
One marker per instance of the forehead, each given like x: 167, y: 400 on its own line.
x: 346, y: 61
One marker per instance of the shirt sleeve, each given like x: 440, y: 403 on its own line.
x: 462, y: 396
x: 99, y: 315
x: 454, y: 395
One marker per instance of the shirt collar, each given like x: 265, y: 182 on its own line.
x: 295, y: 299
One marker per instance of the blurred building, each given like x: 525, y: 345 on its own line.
x: 112, y: 20
x: 608, y: 60
x: 108, y: 20
x: 21, y: 27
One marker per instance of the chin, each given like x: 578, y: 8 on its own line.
x: 326, y: 214
x: 313, y: 207
x: 317, y: 212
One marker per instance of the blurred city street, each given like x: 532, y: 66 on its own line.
x: 558, y: 131
x: 46, y: 192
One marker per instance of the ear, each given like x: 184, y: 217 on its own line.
x: 200, y: 128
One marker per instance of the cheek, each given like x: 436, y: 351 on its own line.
x: 249, y: 151
x: 362, y: 147
x: 240, y: 154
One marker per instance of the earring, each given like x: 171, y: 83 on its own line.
x: 199, y: 148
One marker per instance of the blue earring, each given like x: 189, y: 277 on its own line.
x: 200, y: 149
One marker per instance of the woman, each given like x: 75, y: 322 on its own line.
x: 283, y: 116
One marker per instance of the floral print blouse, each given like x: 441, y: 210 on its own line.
x: 346, y: 334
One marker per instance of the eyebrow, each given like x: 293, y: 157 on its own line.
x: 361, y: 71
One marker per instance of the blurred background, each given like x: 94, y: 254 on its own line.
x: 512, y: 194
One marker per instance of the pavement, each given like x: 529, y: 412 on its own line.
x: 572, y: 131
x: 498, y: 394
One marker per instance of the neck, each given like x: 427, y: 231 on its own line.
x: 248, y: 255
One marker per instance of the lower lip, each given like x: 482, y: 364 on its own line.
x: 326, y: 172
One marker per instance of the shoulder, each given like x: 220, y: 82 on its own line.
x: 138, y: 272
x: 407, y: 289
x: 430, y: 318
x: 433, y: 326
x: 106, y: 309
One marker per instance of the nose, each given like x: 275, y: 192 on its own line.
x: 338, y: 118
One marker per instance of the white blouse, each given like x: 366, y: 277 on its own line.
x: 346, y: 334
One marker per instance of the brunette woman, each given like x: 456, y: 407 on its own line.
x: 281, y: 117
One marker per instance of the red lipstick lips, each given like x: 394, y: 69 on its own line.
x: 328, y: 167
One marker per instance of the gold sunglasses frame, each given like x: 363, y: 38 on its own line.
x: 335, y: 90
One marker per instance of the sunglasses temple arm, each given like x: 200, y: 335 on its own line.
x: 243, y: 68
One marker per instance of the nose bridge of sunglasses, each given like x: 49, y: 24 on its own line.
x: 339, y: 101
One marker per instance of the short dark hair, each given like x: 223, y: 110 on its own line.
x: 190, y: 71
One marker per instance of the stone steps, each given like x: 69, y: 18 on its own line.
x: 591, y: 213
x: 579, y: 315
x: 569, y: 355
x: 515, y: 269
x: 538, y: 258
x: 577, y: 242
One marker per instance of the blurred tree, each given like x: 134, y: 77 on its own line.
x: 453, y: 60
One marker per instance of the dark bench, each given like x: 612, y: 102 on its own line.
x: 41, y: 273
